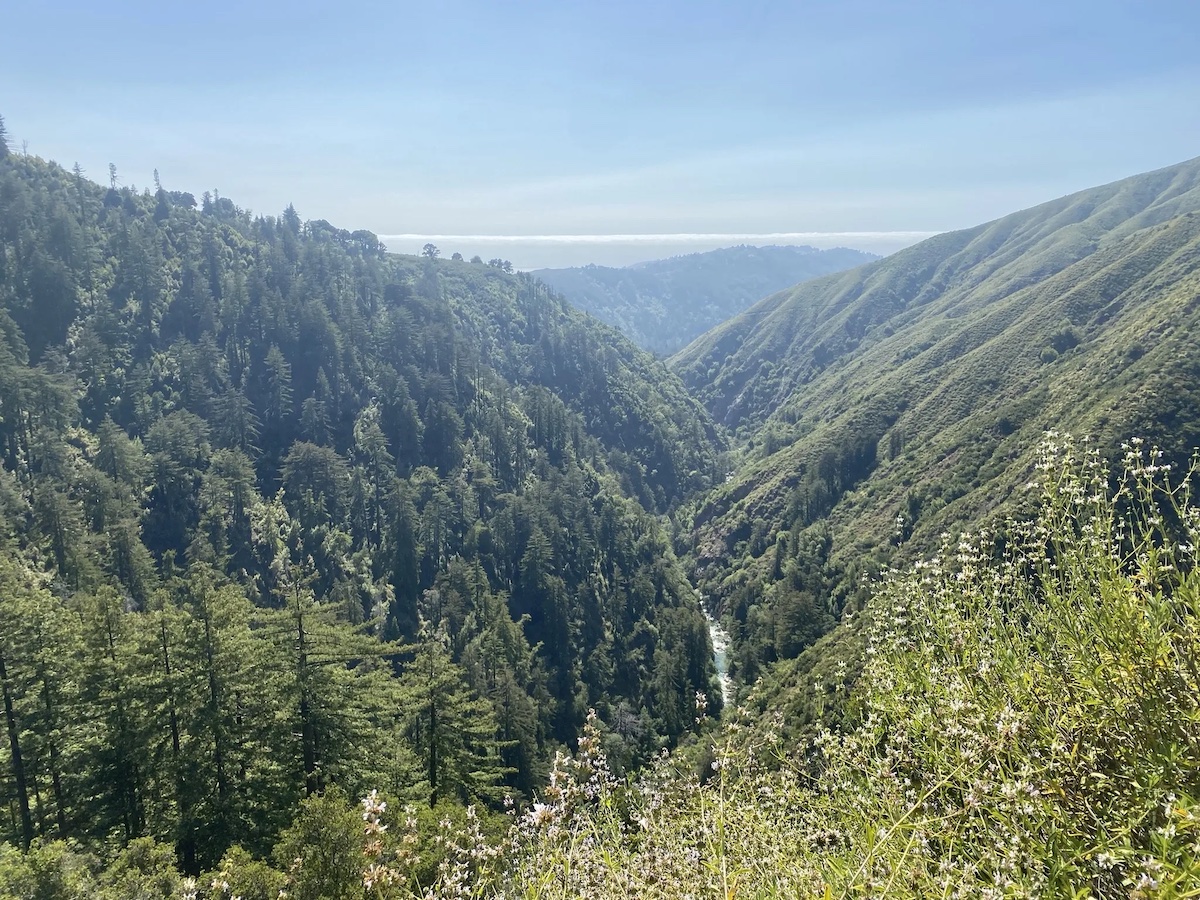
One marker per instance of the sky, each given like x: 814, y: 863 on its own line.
x: 562, y: 133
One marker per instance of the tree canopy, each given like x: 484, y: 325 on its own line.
x: 284, y: 515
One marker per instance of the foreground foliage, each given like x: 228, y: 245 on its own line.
x: 1029, y: 726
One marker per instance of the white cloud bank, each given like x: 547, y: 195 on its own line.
x: 535, y: 251
x: 785, y: 237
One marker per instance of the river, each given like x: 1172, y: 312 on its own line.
x: 720, y: 643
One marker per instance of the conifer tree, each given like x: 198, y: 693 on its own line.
x: 9, y: 687
x: 452, y: 732
x: 116, y: 773
x: 339, y: 692
x: 236, y: 687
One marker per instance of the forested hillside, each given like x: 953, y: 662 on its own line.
x: 902, y: 400
x: 666, y: 303
x: 284, y: 515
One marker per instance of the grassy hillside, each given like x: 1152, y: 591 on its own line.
x: 885, y: 406
x: 749, y: 367
x: 665, y: 303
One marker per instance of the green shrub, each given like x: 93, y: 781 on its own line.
x: 50, y: 870
x: 322, y: 850
x: 1030, y: 727
x: 144, y: 870
x: 241, y: 875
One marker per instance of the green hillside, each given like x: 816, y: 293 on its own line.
x: 888, y: 405
x: 283, y: 515
x: 748, y: 367
x: 666, y: 303
x: 287, y: 521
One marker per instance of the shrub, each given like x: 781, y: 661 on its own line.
x: 50, y: 870
x: 322, y: 850
x: 143, y: 870
x: 1030, y: 727
x: 241, y: 875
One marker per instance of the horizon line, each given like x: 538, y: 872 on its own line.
x: 686, y: 237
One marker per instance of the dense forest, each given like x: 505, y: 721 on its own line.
x: 283, y: 515
x: 665, y: 304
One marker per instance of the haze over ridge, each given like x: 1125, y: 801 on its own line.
x: 550, y: 250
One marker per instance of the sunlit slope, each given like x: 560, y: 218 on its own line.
x: 749, y: 367
x: 946, y: 415
x: 903, y: 400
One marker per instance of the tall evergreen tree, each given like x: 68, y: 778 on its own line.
x: 452, y: 732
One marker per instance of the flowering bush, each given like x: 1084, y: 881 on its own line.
x: 1031, y: 727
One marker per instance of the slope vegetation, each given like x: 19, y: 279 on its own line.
x: 885, y: 406
x: 282, y: 514
x: 665, y: 303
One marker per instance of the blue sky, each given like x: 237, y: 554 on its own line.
x: 859, y: 118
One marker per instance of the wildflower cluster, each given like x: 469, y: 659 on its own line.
x: 1032, y: 708
x: 380, y: 873
x: 1029, y: 728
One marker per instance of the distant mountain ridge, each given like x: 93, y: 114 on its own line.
x: 664, y: 304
